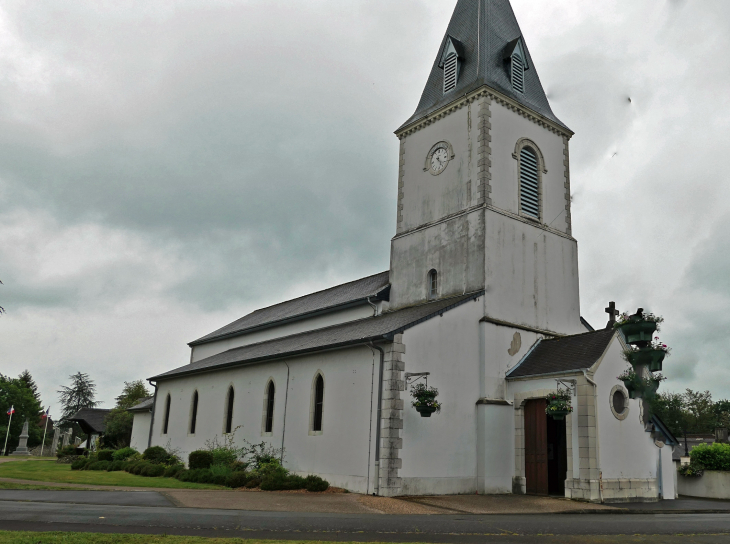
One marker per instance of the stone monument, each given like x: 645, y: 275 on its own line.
x: 22, y: 448
x: 54, y: 444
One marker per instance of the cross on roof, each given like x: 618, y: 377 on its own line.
x: 612, y: 313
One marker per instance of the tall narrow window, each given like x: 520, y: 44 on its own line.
x: 167, y: 415
x: 229, y: 411
x: 451, y: 66
x: 194, y: 413
x: 433, y: 284
x: 270, y: 392
x: 529, y: 183
x: 318, y: 403
x: 518, y: 73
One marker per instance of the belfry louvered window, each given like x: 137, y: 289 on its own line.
x: 451, y: 66
x: 529, y: 183
x: 518, y: 73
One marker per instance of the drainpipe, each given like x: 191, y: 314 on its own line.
x: 379, y: 418
x: 286, y: 401
x: 598, y: 453
x: 375, y: 308
x: 152, y: 421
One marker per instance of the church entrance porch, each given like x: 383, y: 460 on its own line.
x: 546, y: 458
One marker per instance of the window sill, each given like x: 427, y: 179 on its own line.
x: 315, y: 433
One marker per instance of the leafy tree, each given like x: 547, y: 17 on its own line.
x: 722, y: 413
x: 30, y: 383
x: 81, y: 394
x: 670, y: 409
x: 15, y: 392
x: 119, y: 421
x: 700, y: 413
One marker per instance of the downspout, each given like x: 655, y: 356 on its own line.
x: 286, y: 401
x: 598, y: 453
x: 375, y: 308
x: 152, y: 421
x: 379, y: 418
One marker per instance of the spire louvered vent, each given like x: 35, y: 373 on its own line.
x: 451, y: 66
x: 518, y: 73
x: 529, y: 184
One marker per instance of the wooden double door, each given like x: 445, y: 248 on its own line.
x: 546, y: 460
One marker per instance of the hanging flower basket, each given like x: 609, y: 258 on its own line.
x: 424, y: 399
x: 650, y: 356
x: 639, y: 327
x: 639, y: 387
x: 558, y: 405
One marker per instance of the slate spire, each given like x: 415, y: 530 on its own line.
x: 487, y: 32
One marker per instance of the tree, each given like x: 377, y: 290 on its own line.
x: 670, y: 409
x: 81, y: 394
x: 722, y: 413
x: 26, y: 378
x: 119, y: 421
x: 700, y: 413
x: 15, y: 392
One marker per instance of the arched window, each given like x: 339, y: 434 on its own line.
x: 529, y: 183
x: 270, y: 392
x: 318, y: 403
x: 167, y: 414
x: 433, y: 284
x: 194, y: 413
x: 229, y: 411
x: 518, y: 72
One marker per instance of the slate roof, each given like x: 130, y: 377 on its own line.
x: 340, y: 295
x: 144, y: 405
x: 353, y: 332
x: 486, y: 29
x: 91, y: 419
x: 564, y: 354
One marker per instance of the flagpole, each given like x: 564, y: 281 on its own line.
x: 44, y: 432
x: 8, y: 433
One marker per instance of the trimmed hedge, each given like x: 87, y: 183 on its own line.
x: 200, y: 459
x: 124, y: 454
x: 173, y: 471
x: 115, y: 466
x: 105, y: 455
x: 237, y: 479
x: 711, y: 457
x: 156, y: 454
x: 315, y: 484
x: 79, y: 464
x: 97, y: 465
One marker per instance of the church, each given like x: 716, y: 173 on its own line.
x: 481, y: 301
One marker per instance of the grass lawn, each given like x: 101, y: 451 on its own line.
x: 28, y: 537
x: 50, y: 471
x: 10, y: 485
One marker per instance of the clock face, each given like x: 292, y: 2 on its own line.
x: 438, y: 158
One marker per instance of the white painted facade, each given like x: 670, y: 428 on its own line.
x: 465, y: 223
x: 141, y: 431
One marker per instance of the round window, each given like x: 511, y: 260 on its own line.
x: 619, y: 401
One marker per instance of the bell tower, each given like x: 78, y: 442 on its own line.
x: 484, y: 181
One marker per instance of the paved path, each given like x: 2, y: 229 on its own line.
x: 16, y: 515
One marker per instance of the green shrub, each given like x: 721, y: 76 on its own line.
x: 173, y: 471
x: 66, y: 451
x: 198, y: 475
x: 137, y: 468
x: 124, y: 454
x: 239, y: 466
x: 691, y: 470
x: 105, y: 455
x: 221, y: 470
x: 711, y: 457
x: 200, y: 459
x: 115, y: 466
x: 79, y: 464
x: 237, y: 479
x: 255, y: 481
x: 97, y: 465
x: 153, y: 471
x: 224, y: 456
x: 315, y: 484
x: 156, y: 454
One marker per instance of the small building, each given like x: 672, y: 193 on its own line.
x: 92, y: 423
x: 141, y: 428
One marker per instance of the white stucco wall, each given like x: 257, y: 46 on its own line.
x: 626, y: 449
x: 440, y: 453
x: 340, y: 453
x: 140, y: 430
x: 507, y: 128
x: 316, y: 322
x: 531, y: 275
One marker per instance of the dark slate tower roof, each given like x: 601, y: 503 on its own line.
x: 488, y: 33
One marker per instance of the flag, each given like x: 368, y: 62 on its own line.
x: 11, y: 411
x: 45, y: 414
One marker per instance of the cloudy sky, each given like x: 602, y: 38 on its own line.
x: 166, y: 167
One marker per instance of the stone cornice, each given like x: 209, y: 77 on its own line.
x: 498, y: 97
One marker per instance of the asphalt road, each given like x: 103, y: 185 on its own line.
x: 28, y: 514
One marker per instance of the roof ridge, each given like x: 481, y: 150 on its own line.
x: 568, y: 336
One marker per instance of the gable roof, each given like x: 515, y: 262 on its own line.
x: 144, y: 405
x: 375, y: 286
x: 91, y: 420
x: 563, y: 354
x: 371, y: 329
x: 486, y: 30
